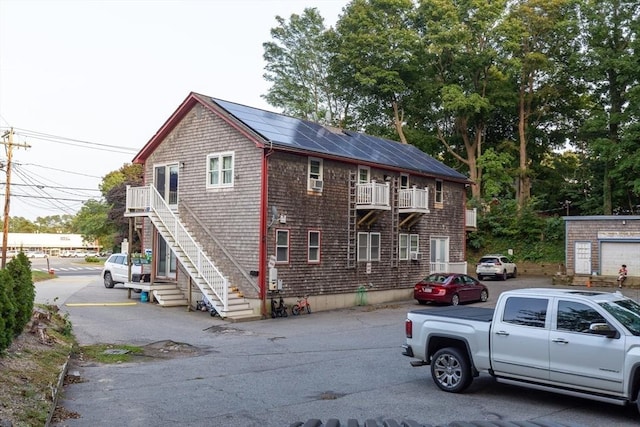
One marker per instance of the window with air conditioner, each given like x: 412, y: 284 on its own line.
x: 409, y: 247
x: 314, y: 175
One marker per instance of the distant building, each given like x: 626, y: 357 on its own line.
x: 49, y: 243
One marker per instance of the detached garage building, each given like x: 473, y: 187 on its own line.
x: 598, y: 245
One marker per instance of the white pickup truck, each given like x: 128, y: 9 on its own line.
x: 575, y: 342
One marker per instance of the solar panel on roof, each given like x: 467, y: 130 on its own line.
x: 315, y: 138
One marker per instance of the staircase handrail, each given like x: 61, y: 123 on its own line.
x: 205, y: 268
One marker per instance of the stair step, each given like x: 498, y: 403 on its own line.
x: 173, y: 303
x: 238, y: 313
x: 244, y: 318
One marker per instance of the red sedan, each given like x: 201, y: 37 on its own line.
x: 449, y: 288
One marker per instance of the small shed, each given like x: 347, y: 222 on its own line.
x: 598, y: 245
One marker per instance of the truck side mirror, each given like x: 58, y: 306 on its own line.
x: 603, y: 329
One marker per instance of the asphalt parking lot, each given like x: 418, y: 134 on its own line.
x: 344, y: 364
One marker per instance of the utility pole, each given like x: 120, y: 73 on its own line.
x: 7, y: 141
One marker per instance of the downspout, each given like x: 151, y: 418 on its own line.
x: 262, y: 250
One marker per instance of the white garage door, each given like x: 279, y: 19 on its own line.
x: 614, y: 254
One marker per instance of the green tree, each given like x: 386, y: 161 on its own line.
x: 460, y: 82
x: 610, y: 68
x: 538, y: 41
x: 114, y: 189
x: 7, y: 310
x: 374, y: 56
x: 92, y: 223
x: 24, y: 293
x: 297, y: 66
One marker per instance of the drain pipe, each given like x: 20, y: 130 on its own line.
x: 262, y: 250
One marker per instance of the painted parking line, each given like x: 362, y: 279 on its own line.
x: 99, y: 304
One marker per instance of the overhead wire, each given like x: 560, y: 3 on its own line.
x: 45, y: 193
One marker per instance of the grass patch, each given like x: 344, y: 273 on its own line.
x: 100, y: 353
x: 39, y: 276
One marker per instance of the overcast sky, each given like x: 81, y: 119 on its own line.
x: 86, y: 83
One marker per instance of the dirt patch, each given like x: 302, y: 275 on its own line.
x: 31, y: 368
x: 170, y: 350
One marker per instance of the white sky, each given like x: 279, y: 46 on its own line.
x: 91, y: 75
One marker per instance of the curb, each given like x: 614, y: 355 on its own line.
x: 57, y: 390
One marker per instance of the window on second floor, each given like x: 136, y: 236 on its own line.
x: 368, y: 246
x: 313, y: 248
x: 439, y: 191
x: 364, y: 173
x: 282, y: 246
x: 220, y: 170
x: 404, y: 181
x: 314, y: 174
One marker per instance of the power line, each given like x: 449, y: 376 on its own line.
x: 76, y: 142
x: 49, y: 186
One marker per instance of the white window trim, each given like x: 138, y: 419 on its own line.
x: 220, y: 157
x: 403, y: 247
x: 439, y: 195
x: 368, y: 170
x: 414, y: 243
x: 408, y: 243
x: 310, y: 175
x: 369, y: 254
x: 287, y: 246
x: 309, y: 247
x: 405, y: 176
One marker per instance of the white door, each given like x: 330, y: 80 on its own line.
x: 439, y: 255
x: 583, y: 257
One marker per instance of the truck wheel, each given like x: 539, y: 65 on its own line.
x: 450, y: 370
x: 455, y: 299
x: 108, y: 281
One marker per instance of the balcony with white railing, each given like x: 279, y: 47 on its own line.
x: 413, y: 199
x: 448, y: 267
x: 373, y: 196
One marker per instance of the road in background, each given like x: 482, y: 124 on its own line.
x: 335, y: 364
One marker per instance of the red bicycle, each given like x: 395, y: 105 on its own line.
x: 301, y: 305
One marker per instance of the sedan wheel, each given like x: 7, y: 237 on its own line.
x: 108, y: 280
x: 484, y: 295
x: 450, y: 370
x: 455, y: 299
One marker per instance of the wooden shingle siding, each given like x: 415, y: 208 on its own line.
x: 327, y: 211
x: 230, y: 214
x: 226, y: 220
x: 595, y: 230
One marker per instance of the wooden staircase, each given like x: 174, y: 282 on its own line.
x: 215, y: 288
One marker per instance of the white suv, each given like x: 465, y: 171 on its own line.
x: 116, y: 270
x: 496, y: 265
